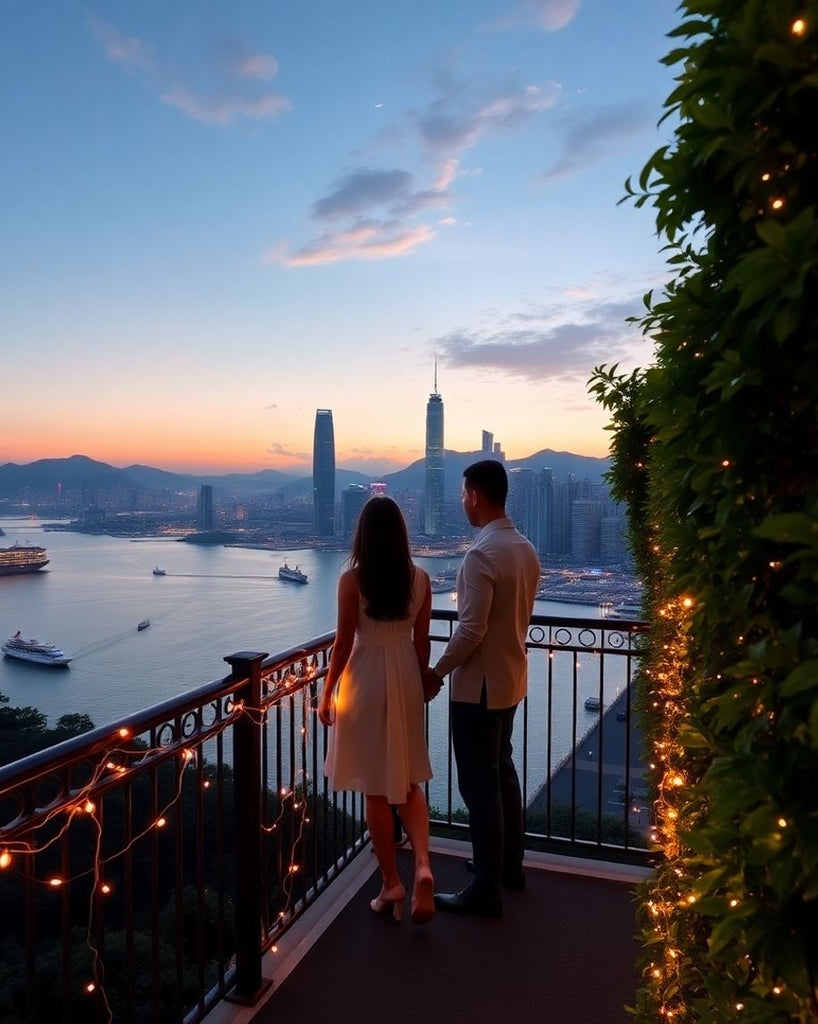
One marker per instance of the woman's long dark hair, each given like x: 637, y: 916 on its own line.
x: 380, y: 556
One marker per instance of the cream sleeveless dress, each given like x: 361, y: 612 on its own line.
x: 377, y: 744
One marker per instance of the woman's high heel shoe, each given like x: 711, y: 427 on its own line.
x: 390, y: 899
x: 423, y: 896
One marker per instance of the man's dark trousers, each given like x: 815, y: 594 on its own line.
x: 488, y: 783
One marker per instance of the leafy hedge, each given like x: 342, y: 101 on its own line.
x: 715, y: 449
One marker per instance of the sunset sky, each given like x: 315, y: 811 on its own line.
x: 218, y: 217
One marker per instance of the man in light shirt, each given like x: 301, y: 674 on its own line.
x: 486, y: 655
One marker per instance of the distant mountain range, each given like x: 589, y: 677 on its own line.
x: 43, y: 476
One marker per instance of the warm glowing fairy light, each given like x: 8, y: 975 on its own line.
x: 798, y: 27
x: 777, y: 203
x: 734, y: 903
x: 766, y: 176
x: 87, y: 806
x: 782, y: 822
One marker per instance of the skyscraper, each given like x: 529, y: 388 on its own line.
x: 353, y: 499
x: 205, y: 509
x: 435, y: 479
x: 323, y: 473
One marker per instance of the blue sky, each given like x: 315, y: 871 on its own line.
x: 218, y: 217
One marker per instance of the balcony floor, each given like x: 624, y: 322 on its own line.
x: 563, y: 953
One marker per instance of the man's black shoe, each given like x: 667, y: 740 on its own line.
x: 516, y: 883
x: 467, y: 901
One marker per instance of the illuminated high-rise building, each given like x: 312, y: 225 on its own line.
x: 323, y: 473
x: 353, y: 499
x: 435, y: 478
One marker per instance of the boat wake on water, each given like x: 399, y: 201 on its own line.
x: 101, y: 645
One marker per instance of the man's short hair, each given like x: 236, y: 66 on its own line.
x: 489, y: 479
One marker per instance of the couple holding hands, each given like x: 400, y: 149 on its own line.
x: 379, y: 672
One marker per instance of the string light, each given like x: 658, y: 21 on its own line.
x: 111, y: 765
x: 798, y: 27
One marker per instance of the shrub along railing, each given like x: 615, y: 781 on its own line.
x: 146, y: 866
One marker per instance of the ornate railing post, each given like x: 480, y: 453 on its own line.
x: 246, y: 669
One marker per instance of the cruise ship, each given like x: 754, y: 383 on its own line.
x: 33, y: 650
x: 293, y: 575
x: 19, y: 559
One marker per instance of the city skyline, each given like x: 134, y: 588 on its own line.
x: 216, y: 222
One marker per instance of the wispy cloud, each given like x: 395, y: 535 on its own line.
x: 594, y: 137
x: 362, y: 190
x: 230, y: 91
x: 463, y: 113
x: 466, y: 112
x: 566, y: 346
x: 549, y: 15
x: 257, y: 65
x: 282, y: 451
x: 364, y: 240
x: 127, y: 51
x: 225, y: 109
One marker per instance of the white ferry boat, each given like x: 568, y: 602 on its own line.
x: 293, y: 575
x: 626, y: 611
x: 33, y: 650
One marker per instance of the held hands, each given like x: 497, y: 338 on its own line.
x: 432, y: 684
x: 326, y: 707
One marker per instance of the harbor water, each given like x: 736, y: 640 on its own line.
x: 212, y: 602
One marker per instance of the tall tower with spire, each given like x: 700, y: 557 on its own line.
x: 435, y: 470
x: 323, y: 473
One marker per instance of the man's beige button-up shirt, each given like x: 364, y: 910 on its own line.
x: 496, y: 586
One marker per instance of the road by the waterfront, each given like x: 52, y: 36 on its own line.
x: 595, y: 775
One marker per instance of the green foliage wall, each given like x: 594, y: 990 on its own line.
x: 716, y: 449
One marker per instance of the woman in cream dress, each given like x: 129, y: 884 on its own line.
x: 373, y: 698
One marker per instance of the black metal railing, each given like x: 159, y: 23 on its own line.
x: 146, y: 866
x: 578, y: 749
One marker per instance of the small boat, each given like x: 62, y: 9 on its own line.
x: 159, y: 572
x: 293, y: 575
x: 33, y: 650
x: 626, y: 611
x: 143, y: 625
x: 441, y: 584
x: 593, y: 704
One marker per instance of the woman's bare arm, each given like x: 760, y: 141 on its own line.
x: 420, y: 629
x: 344, y: 639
